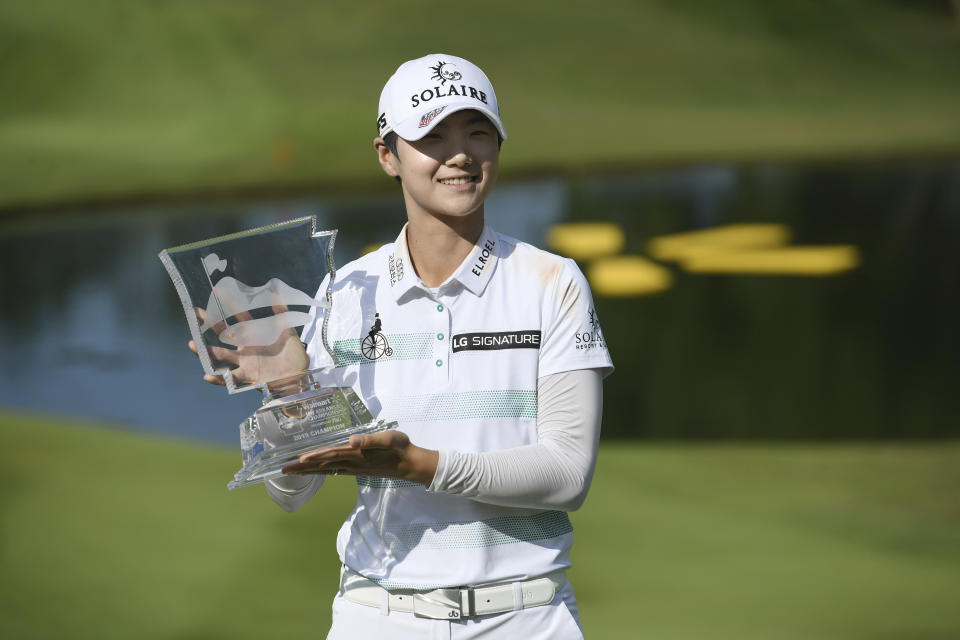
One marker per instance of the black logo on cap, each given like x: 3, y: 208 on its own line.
x: 445, y: 71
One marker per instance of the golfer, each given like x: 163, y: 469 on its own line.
x: 494, y: 376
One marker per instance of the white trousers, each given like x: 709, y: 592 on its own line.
x: 555, y: 621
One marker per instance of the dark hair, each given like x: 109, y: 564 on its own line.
x: 390, y: 139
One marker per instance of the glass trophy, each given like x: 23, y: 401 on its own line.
x: 248, y: 297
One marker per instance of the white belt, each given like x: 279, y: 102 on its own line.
x: 453, y: 603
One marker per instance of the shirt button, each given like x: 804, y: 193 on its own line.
x: 439, y: 307
x: 439, y: 336
x: 439, y: 363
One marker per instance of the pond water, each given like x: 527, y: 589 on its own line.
x: 90, y: 325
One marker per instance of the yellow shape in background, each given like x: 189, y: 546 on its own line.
x: 586, y: 240
x: 680, y: 246
x: 370, y: 248
x: 628, y: 276
x: 751, y: 249
x: 803, y: 260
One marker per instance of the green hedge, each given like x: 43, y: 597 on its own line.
x: 113, y: 98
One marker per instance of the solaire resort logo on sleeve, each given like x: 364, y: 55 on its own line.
x: 593, y: 337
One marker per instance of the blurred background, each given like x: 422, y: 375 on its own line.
x: 764, y: 196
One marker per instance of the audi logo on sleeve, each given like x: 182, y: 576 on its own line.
x: 497, y: 340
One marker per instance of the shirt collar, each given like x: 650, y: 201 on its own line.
x: 402, y: 276
x: 473, y: 273
x: 475, y: 270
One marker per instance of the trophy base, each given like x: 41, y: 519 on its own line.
x: 287, y: 427
x: 270, y: 463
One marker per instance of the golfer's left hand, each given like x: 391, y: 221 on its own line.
x: 388, y: 454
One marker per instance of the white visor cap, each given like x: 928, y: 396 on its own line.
x: 424, y: 91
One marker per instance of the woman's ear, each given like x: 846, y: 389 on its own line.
x: 387, y: 159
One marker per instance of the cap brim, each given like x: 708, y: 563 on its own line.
x: 410, y: 128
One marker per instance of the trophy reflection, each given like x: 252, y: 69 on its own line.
x: 258, y: 287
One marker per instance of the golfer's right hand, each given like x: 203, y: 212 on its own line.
x: 253, y: 365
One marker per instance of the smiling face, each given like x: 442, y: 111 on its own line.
x: 451, y: 170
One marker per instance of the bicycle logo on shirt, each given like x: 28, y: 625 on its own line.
x: 375, y: 344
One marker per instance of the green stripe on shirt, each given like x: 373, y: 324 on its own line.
x: 404, y: 346
x: 485, y: 533
x: 505, y: 403
x: 385, y: 483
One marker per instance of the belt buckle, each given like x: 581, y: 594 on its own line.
x: 439, y: 604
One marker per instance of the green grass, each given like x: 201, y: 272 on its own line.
x: 110, y: 534
x: 105, y: 533
x: 112, y: 98
x: 758, y: 541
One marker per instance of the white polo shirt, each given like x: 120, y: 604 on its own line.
x: 457, y: 369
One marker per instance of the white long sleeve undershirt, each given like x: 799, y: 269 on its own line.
x: 554, y: 473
